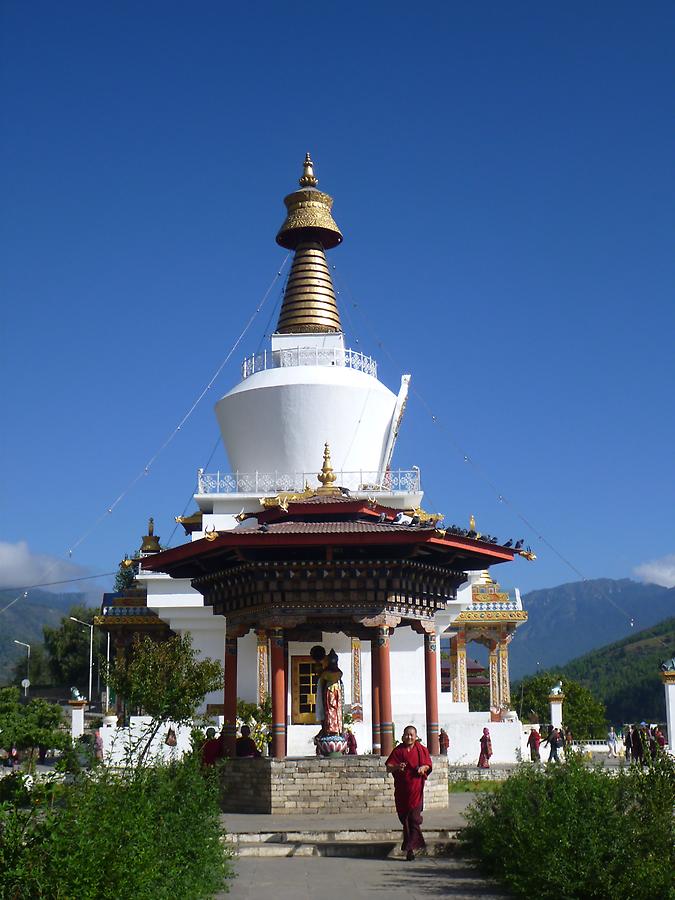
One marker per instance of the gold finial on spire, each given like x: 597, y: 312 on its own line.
x: 308, y: 179
x: 326, y: 476
x: 472, y: 523
x: 150, y: 542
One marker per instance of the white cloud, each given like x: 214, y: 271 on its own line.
x: 21, y: 568
x: 658, y: 571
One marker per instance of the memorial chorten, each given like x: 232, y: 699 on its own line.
x: 288, y: 551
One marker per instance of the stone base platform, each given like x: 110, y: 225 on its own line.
x: 313, y: 785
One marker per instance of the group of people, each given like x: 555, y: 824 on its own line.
x: 641, y: 742
x: 213, y: 747
x: 556, y: 739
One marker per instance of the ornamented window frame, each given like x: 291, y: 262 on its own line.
x: 298, y: 716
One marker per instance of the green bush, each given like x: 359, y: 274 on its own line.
x: 573, y: 832
x: 151, y: 835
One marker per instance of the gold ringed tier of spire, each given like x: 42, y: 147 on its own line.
x: 309, y: 304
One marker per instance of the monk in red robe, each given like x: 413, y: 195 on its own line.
x: 210, y: 748
x: 410, y: 764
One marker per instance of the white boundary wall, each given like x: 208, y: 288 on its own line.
x: 121, y: 746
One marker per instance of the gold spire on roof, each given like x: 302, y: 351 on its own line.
x: 309, y: 303
x: 150, y: 543
x: 326, y: 476
x: 472, y: 523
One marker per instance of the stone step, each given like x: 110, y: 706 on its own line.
x: 341, y: 835
x: 370, y: 848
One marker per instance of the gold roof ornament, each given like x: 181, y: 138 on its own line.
x: 150, y: 543
x: 309, y: 303
x: 326, y: 476
x: 472, y: 523
x: 308, y: 178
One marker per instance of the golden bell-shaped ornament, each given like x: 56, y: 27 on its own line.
x: 309, y: 214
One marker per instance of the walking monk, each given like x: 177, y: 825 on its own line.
x: 410, y: 764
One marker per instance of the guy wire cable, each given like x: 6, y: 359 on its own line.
x: 480, y: 471
x: 146, y: 469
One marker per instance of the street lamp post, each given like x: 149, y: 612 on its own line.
x: 91, y: 651
x: 24, y: 644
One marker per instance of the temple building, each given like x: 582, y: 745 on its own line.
x: 314, y: 537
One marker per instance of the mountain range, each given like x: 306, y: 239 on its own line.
x: 23, y: 621
x: 572, y: 619
x: 625, y: 675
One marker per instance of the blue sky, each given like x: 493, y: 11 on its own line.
x: 502, y: 174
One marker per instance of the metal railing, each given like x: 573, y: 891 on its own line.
x: 482, y: 606
x: 308, y: 356
x: 398, y: 480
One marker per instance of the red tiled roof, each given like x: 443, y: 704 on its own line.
x: 358, y: 527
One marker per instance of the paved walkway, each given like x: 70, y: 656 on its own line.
x: 330, y: 878
x: 450, y: 818
x: 337, y: 878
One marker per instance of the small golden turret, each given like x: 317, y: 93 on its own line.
x: 309, y: 303
x: 326, y: 476
x: 150, y: 543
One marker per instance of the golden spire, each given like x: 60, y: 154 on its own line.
x: 150, y: 543
x: 326, y: 476
x: 308, y: 179
x: 309, y: 303
x: 472, y: 523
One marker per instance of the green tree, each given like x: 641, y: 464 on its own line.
x: 28, y: 726
x: 582, y: 713
x: 40, y: 673
x: 125, y: 577
x: 68, y: 648
x: 479, y: 697
x: 165, y: 681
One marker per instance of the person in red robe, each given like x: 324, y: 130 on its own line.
x: 245, y: 746
x: 485, y: 750
x: 410, y: 764
x: 533, y: 742
x: 210, y: 748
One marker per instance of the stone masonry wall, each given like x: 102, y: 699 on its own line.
x: 316, y: 785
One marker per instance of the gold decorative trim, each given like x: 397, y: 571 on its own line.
x: 283, y: 498
x: 357, y: 700
x: 668, y: 677
x: 129, y: 620
x: 491, y: 615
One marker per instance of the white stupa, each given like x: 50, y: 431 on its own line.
x: 306, y: 390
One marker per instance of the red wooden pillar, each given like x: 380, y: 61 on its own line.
x: 278, y: 666
x: 386, y: 724
x: 230, y: 696
x: 375, y: 696
x: 431, y: 692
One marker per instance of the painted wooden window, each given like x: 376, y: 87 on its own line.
x: 303, y: 690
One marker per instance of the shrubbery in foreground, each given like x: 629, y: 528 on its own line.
x: 149, y: 835
x: 571, y: 832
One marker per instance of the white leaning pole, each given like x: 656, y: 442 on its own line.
x: 668, y: 679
